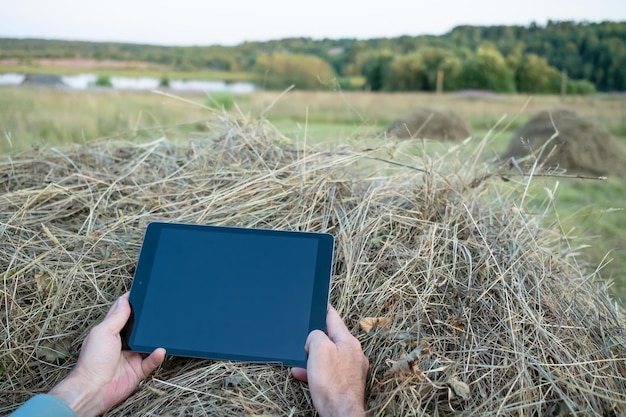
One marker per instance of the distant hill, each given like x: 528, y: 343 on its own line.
x: 525, y: 57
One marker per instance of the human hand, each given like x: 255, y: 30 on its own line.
x: 104, y: 374
x: 336, y: 370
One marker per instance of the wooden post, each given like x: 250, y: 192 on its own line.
x: 439, y: 82
x: 563, y: 85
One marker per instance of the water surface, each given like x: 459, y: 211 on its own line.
x: 88, y: 81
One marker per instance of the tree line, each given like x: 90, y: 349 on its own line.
x: 528, y: 59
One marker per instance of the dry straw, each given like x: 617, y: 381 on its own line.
x: 561, y: 138
x: 425, y: 123
x: 471, y: 307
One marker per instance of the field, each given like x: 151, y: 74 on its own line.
x: 115, y: 69
x: 590, y: 209
x: 471, y: 288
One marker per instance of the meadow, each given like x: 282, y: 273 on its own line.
x: 131, y: 69
x: 587, y: 209
x: 471, y: 288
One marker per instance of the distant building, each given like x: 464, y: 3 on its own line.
x: 48, y: 80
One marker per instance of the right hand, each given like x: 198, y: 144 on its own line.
x: 336, y: 370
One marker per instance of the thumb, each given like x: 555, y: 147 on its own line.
x: 336, y: 328
x: 118, y: 315
x: 315, y: 338
x: 152, y: 362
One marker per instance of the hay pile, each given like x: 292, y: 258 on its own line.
x: 483, y: 311
x: 581, y: 146
x: 432, y: 124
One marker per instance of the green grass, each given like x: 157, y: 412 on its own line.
x: 326, y: 133
x: 590, y: 213
x: 45, y: 117
x: 595, y: 210
x: 584, y: 208
x: 221, y: 100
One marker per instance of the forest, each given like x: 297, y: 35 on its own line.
x: 524, y: 59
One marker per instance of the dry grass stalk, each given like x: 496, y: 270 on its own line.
x: 512, y: 325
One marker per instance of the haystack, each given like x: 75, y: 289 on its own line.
x: 432, y: 124
x: 563, y: 139
x: 485, y: 312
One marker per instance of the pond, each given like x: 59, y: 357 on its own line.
x: 87, y: 81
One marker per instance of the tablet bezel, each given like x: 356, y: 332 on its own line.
x: 141, y: 282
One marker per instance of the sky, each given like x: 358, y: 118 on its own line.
x: 230, y: 22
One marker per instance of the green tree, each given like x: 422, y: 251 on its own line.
x: 580, y: 87
x: 433, y: 59
x: 418, y: 71
x: 407, y: 73
x: 452, y: 70
x: 281, y: 70
x: 595, y: 52
x: 534, y: 75
x: 375, y: 66
x: 487, y: 70
x: 103, y: 81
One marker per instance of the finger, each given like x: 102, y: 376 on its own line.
x: 118, y: 315
x: 300, y: 374
x: 315, y: 337
x: 335, y: 327
x: 149, y: 364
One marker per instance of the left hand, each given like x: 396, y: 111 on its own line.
x: 104, y: 374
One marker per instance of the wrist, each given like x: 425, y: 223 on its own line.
x: 345, y: 408
x: 79, y: 396
x: 356, y: 410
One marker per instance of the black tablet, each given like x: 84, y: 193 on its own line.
x: 229, y: 293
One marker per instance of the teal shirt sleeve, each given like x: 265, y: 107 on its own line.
x: 44, y: 405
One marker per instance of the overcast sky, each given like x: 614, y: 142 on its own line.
x: 229, y: 22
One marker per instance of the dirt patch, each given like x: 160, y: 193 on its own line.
x: 563, y: 139
x: 432, y: 124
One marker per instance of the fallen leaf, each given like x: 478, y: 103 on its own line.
x: 459, y: 388
x: 44, y: 282
x: 369, y: 323
x: 410, y: 363
x: 51, y: 353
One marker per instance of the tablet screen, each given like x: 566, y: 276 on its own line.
x: 230, y: 293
